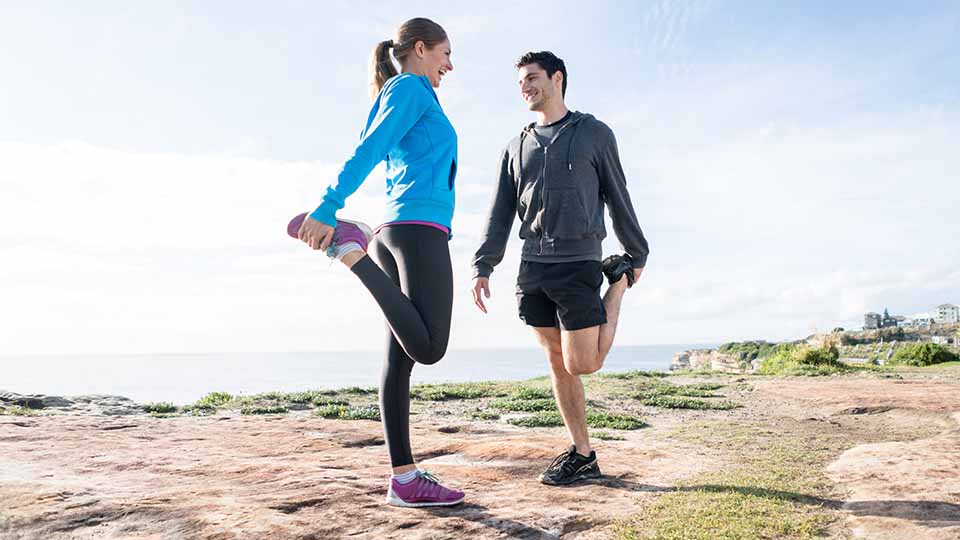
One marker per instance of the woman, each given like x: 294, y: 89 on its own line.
x: 413, y: 283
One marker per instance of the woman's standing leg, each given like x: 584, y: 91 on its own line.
x: 394, y: 380
x: 416, y: 261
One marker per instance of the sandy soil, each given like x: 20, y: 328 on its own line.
x: 299, y: 477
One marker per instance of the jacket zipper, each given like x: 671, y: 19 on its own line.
x: 543, y: 190
x: 543, y: 195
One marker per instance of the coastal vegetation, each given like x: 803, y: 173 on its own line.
x: 347, y: 412
x: 748, y: 351
x: 160, y: 408
x: 804, y: 359
x: 444, y: 392
x: 923, y: 354
x: 16, y: 410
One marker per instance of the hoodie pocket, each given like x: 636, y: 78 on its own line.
x: 564, y: 216
x: 453, y: 174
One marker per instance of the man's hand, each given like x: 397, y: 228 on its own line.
x: 481, y: 289
x: 636, y: 274
x: 316, y: 234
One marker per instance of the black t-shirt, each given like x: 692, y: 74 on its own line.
x: 546, y: 133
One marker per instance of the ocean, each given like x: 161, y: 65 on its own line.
x: 184, y: 378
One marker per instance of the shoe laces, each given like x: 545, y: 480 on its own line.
x: 562, y: 463
x: 429, y: 477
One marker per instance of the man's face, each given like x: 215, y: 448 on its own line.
x: 536, y: 89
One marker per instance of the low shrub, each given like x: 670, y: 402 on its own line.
x: 923, y: 354
x: 343, y: 412
x: 160, y: 408
x: 268, y: 409
x: 524, y: 405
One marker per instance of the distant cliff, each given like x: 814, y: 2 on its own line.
x: 712, y: 359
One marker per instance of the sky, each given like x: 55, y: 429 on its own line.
x: 792, y: 164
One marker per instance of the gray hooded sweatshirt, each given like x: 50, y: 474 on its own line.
x: 558, y: 191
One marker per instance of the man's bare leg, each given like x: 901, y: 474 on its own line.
x: 568, y: 390
x: 585, y: 350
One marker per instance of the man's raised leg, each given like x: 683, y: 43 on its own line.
x: 585, y: 350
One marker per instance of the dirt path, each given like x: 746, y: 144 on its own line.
x: 300, y: 477
x: 899, y: 489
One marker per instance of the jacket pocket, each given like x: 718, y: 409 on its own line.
x: 564, y: 216
x: 453, y: 174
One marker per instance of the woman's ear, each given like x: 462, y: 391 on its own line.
x: 420, y: 48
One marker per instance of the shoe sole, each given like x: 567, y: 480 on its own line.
x: 293, y: 227
x: 397, y: 501
x: 367, y: 231
x: 578, y: 478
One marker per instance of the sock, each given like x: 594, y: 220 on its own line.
x: 343, y: 249
x: 406, y: 477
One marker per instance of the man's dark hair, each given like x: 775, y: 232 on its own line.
x: 549, y: 62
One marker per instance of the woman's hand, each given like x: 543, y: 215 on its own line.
x: 316, y: 234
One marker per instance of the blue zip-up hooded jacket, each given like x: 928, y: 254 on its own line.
x: 407, y: 128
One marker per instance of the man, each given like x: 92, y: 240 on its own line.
x: 556, y: 176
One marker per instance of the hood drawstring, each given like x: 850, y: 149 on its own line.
x: 570, y: 146
x: 575, y: 121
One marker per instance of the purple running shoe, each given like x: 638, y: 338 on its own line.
x: 425, y: 490
x: 347, y: 231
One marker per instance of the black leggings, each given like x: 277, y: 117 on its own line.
x: 414, y: 286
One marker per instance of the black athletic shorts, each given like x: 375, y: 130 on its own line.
x: 565, y: 292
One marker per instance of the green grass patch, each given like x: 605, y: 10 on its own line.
x: 599, y: 420
x: 540, y: 419
x: 444, y: 392
x: 323, y: 401
x: 682, y: 402
x: 775, y: 489
x: 268, y: 396
x: 263, y: 409
x: 946, y: 365
x: 607, y: 436
x: 635, y: 374
x: 524, y: 405
x: 343, y: 412
x: 614, y: 421
x: 213, y: 400
x: 482, y: 415
x: 197, y: 410
x: 305, y: 397
x: 532, y: 392
x: 747, y: 351
x: 160, y: 408
x: 358, y: 390
x: 923, y: 354
x: 704, y: 390
x: 793, y: 360
x: 16, y: 410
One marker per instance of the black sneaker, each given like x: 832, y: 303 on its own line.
x: 615, y: 266
x: 570, y: 467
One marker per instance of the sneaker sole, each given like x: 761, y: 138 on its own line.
x: 367, y: 231
x: 294, y: 226
x: 587, y: 476
x: 397, y: 501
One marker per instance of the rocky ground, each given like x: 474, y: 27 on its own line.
x: 885, y: 448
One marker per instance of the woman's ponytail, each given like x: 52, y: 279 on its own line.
x: 381, y: 66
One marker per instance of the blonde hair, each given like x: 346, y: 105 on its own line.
x: 409, y: 33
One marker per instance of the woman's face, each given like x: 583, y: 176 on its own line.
x: 435, y: 62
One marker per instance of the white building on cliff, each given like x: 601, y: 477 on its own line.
x: 947, y: 313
